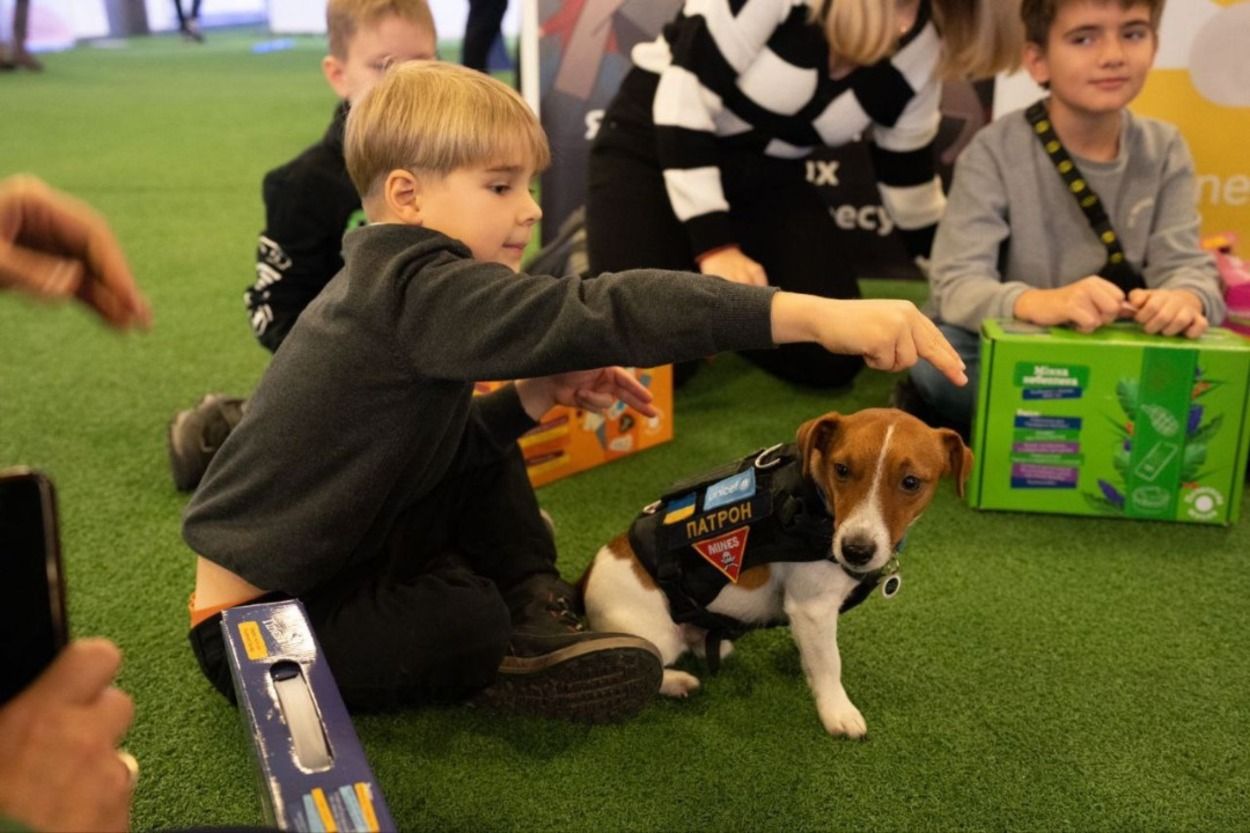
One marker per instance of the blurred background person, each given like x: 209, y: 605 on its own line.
x: 18, y: 55
x: 189, y: 25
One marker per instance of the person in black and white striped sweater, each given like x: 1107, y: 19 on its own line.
x: 699, y: 157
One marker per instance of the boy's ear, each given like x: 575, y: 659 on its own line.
x: 336, y: 75
x: 1036, y: 64
x: 402, y: 192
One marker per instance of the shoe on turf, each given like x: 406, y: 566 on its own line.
x: 195, y: 435
x: 191, y: 31
x: 556, y: 668
x: 25, y: 60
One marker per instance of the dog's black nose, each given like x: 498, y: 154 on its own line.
x: 858, y: 550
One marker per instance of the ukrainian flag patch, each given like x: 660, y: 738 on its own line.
x: 680, y: 508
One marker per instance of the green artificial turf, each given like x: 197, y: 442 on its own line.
x: 1035, y: 673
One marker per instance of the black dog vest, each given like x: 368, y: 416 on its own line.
x: 705, y: 531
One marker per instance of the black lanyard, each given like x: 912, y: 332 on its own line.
x: 1117, y: 269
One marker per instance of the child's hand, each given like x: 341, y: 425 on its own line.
x: 1168, y: 311
x: 732, y: 265
x: 590, y: 390
x: 1086, y: 304
x: 890, y: 335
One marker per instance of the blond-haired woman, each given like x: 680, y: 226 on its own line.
x: 699, y: 160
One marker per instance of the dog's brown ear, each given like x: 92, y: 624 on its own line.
x: 814, y: 435
x: 958, y: 458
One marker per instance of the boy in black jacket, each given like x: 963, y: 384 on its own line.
x: 310, y: 203
x: 404, y: 520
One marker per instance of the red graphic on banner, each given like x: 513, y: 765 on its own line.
x: 725, y: 552
x: 584, y: 28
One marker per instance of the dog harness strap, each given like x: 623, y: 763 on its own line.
x: 1117, y: 269
x: 862, y: 590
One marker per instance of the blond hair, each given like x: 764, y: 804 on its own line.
x: 345, y: 17
x: 431, y: 118
x: 979, y: 37
x: 1039, y: 15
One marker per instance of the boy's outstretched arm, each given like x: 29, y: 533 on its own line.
x: 891, y: 335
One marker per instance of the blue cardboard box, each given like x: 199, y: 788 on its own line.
x: 313, y: 772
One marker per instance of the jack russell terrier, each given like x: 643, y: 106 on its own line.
x: 793, y: 534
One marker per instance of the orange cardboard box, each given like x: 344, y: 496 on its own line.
x: 569, y: 440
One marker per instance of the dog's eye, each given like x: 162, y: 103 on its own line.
x: 911, y: 483
x: 842, y: 470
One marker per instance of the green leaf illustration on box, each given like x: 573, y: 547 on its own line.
x: 1155, y: 455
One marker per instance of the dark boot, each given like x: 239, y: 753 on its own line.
x: 554, y: 667
x: 195, y: 435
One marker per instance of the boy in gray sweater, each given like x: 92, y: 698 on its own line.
x: 1015, y: 242
x: 404, y: 520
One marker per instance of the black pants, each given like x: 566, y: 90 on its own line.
x: 481, y: 30
x: 182, y: 16
x: 426, y: 621
x: 778, y: 219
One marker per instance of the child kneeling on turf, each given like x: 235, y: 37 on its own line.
x: 365, y: 477
x: 310, y: 203
x: 1075, y: 212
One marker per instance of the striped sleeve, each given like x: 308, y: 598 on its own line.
x: 903, y: 143
x: 710, y: 44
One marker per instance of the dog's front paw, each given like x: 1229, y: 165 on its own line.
x: 843, y: 719
x: 678, y: 683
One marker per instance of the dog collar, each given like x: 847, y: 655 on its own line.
x: 887, y: 577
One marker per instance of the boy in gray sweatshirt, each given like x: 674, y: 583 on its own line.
x: 1017, y: 239
x: 366, y: 479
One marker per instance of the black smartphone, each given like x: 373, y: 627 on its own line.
x: 33, y: 625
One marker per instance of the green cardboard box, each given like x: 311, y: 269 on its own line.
x: 1116, y: 423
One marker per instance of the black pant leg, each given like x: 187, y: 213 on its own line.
x: 630, y: 222
x: 787, y: 228
x: 487, y: 514
x: 499, y: 530
x: 437, y: 638
x: 425, y: 621
x: 481, y: 30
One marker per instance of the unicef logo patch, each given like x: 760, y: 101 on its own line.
x: 740, y: 486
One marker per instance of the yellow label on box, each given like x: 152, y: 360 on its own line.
x: 323, y: 810
x: 253, y: 641
x: 365, y: 796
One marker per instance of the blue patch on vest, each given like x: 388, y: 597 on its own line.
x: 736, y: 487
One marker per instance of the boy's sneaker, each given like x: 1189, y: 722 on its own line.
x: 195, y: 435
x: 556, y: 668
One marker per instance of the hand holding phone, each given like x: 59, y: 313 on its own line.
x: 60, y: 768
x: 61, y: 717
x: 33, y: 626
